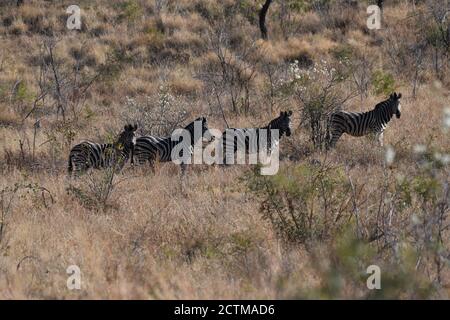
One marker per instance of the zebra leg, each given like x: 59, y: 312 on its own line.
x: 83, y: 167
x: 79, y: 165
x: 335, y: 135
x: 141, y: 160
x: 152, y: 165
x: 380, y: 138
x: 70, y: 166
x: 78, y: 170
x: 229, y: 156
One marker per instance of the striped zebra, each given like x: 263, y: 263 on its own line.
x: 151, y: 149
x: 236, y: 139
x: 88, y: 154
x: 362, y: 123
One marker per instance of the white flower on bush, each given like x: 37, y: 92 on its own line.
x: 442, y: 158
x: 420, y: 148
x: 318, y: 71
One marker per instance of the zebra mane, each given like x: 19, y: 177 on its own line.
x: 273, y: 121
x: 190, y: 125
x: 382, y: 103
x: 387, y: 105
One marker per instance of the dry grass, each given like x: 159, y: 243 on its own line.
x: 203, y: 235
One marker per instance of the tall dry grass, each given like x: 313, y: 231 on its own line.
x: 161, y: 235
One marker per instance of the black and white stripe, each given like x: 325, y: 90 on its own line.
x: 234, y: 139
x: 150, y: 148
x: 363, y: 123
x: 88, y: 154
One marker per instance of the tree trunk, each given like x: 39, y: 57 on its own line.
x: 262, y: 19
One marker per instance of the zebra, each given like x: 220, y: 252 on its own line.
x: 88, y: 154
x: 150, y: 148
x: 249, y: 138
x: 362, y: 123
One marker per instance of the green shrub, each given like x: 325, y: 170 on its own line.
x: 343, y: 52
x: 130, y: 11
x: 302, y: 202
x: 383, y: 83
x: 342, y: 268
x: 299, y: 6
x: 22, y: 93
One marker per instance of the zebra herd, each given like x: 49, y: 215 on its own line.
x: 149, y: 149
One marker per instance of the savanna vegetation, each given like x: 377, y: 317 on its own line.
x: 310, y: 231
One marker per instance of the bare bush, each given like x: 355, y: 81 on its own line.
x: 94, y: 190
x: 427, y: 48
x: 231, y: 76
x: 159, y: 114
x: 65, y: 87
x: 10, y: 194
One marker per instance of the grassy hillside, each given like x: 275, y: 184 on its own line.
x: 311, y: 231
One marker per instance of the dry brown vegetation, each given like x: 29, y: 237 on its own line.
x: 309, y: 232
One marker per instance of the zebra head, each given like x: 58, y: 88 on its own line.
x: 282, y: 123
x: 194, y: 124
x: 127, y: 139
x: 395, y: 104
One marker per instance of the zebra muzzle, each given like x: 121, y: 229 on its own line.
x: 288, y: 132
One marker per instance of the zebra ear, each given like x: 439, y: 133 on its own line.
x: 399, y: 96
x: 126, y: 127
x: 135, y: 127
x: 289, y: 113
